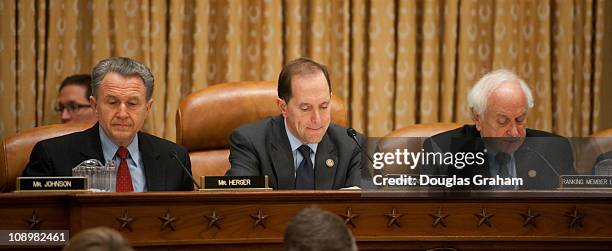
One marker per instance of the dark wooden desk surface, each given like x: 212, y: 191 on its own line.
x: 415, y: 231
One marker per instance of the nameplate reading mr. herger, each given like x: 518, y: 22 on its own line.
x: 231, y: 182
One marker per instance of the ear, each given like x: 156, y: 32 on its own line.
x: 476, y: 118
x: 94, y: 103
x: 149, y: 105
x: 282, y: 106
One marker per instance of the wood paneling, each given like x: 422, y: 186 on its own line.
x: 416, y: 231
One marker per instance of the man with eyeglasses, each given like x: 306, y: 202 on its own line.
x: 73, y: 100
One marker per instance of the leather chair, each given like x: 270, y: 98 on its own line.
x: 604, y: 139
x: 410, y: 137
x: 205, y: 120
x: 16, y: 149
x: 586, y: 150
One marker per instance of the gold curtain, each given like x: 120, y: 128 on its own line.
x: 396, y: 63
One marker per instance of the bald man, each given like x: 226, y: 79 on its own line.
x: 499, y: 103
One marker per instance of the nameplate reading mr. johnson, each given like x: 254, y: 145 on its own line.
x: 51, y: 184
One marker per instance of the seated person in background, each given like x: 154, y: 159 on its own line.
x: 98, y: 239
x: 316, y: 229
x: 298, y: 149
x: 499, y: 104
x: 73, y: 100
x: 122, y: 92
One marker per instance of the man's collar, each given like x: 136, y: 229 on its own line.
x: 109, y: 149
x: 295, y: 142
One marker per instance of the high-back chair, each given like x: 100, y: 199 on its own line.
x: 586, y: 150
x: 605, y: 139
x: 410, y: 137
x: 16, y: 148
x: 205, y: 120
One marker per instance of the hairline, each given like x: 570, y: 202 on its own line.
x: 135, y: 75
x: 500, y: 77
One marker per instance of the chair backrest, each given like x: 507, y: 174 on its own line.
x: 411, y: 137
x: 16, y: 149
x: 588, y: 149
x: 604, y: 139
x: 205, y: 120
x: 603, y: 133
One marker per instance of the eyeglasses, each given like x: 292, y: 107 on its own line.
x: 71, y: 107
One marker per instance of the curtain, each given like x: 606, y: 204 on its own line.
x: 395, y: 63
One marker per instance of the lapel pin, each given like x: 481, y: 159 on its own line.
x: 329, y: 163
x: 532, y: 173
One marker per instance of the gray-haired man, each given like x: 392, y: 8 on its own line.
x: 122, y: 92
x: 512, y: 156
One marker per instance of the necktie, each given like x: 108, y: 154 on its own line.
x: 304, y: 177
x: 502, y: 160
x: 124, y: 179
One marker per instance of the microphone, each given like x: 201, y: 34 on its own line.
x: 353, y: 134
x: 543, y: 158
x: 175, y: 156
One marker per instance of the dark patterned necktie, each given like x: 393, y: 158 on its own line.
x: 304, y: 177
x: 502, y: 160
x: 124, y: 179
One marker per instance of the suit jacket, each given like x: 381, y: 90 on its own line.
x: 539, y: 160
x: 57, y: 156
x: 262, y: 148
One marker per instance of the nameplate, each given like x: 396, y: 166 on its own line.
x: 235, y: 182
x: 51, y: 184
x: 585, y: 181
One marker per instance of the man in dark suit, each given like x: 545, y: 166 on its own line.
x: 298, y: 149
x: 122, y: 98
x: 499, y: 104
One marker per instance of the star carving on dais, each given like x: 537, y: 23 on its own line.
x: 167, y: 221
x: 124, y: 221
x: 575, y: 218
x: 394, y: 218
x: 484, y: 217
x: 438, y: 218
x: 34, y: 221
x: 213, y: 219
x: 529, y: 218
x: 259, y: 218
x: 349, y: 217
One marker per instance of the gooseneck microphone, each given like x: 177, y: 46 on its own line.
x: 353, y: 134
x: 543, y: 158
x: 175, y: 156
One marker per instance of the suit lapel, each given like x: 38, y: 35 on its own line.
x: 470, y: 141
x: 519, y: 163
x: 92, y: 148
x: 324, y: 175
x: 281, y: 155
x: 474, y: 145
x: 527, y: 162
x: 153, y: 169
